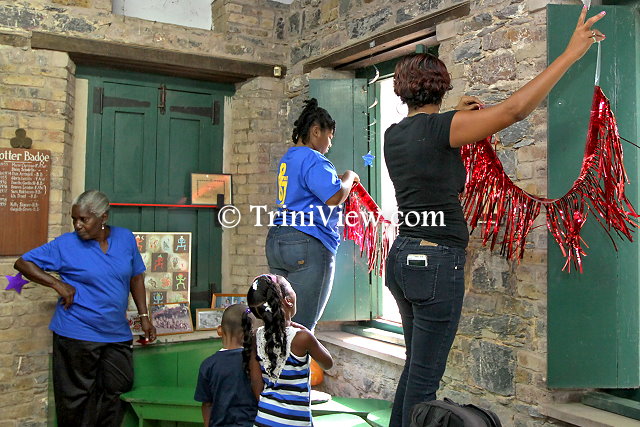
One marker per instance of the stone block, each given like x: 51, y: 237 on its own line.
x: 469, y: 49
x: 515, y: 133
x: 446, y: 30
x: 358, y: 28
x: 479, y: 302
x: 493, y: 367
x: 508, y: 160
x: 500, y: 325
x: 533, y: 5
x: 490, y: 70
x: 243, y: 19
x: 477, y: 22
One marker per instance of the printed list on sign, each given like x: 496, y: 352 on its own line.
x: 24, y: 199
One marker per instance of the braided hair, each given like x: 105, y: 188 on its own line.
x: 247, y: 338
x: 265, y: 299
x: 311, y: 114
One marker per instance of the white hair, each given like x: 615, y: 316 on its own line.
x: 94, y: 201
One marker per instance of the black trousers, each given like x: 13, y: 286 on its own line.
x: 88, y: 379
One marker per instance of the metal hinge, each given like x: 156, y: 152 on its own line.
x: 100, y: 101
x: 213, y: 112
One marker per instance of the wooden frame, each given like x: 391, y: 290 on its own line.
x: 208, y: 319
x: 171, y: 318
x: 222, y: 301
x: 389, y: 44
x: 206, y: 189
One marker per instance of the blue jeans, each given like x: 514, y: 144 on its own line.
x: 430, y: 301
x: 307, y: 264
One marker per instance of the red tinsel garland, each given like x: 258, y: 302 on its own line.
x: 365, y: 225
x: 505, y: 213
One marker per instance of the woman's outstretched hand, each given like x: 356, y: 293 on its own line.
x: 584, y: 35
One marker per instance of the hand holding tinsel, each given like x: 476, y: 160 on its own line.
x: 365, y: 225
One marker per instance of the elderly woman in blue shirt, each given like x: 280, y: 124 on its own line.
x: 98, y: 265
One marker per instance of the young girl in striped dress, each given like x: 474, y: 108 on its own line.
x: 278, y: 355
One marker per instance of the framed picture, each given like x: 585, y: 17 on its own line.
x: 167, y: 257
x: 208, y: 319
x: 171, y: 318
x: 222, y: 301
x: 210, y: 189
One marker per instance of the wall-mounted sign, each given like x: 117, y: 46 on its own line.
x: 209, y: 189
x: 24, y: 199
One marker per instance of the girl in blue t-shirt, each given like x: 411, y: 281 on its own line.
x: 302, y: 244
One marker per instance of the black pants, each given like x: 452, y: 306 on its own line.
x: 88, y: 379
x: 429, y: 299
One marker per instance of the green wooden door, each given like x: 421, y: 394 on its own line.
x: 593, y: 321
x: 142, y: 147
x: 346, y: 101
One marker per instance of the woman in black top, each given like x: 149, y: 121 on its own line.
x: 425, y: 267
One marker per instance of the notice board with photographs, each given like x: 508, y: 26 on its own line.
x: 24, y: 199
x: 167, y: 257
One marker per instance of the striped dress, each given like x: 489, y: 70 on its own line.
x: 285, y: 400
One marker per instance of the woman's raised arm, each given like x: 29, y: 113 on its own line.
x: 468, y: 127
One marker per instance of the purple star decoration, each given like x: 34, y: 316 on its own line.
x: 368, y: 159
x: 16, y: 282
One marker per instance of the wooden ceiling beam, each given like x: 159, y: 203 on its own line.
x: 146, y: 59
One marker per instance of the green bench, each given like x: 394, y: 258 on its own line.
x: 165, y: 381
x: 166, y: 377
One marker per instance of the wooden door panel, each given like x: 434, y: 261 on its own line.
x: 346, y: 100
x: 593, y: 318
x: 127, y: 152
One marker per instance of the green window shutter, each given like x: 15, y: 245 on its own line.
x: 346, y: 101
x: 593, y: 321
x: 137, y: 153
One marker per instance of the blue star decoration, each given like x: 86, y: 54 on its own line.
x: 368, y: 159
x: 16, y: 282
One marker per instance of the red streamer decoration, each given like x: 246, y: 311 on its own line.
x: 365, y: 225
x: 505, y: 213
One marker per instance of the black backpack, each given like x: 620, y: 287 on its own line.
x: 447, y: 413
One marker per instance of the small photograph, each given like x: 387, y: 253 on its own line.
x: 222, y: 301
x: 208, y: 318
x: 171, y: 318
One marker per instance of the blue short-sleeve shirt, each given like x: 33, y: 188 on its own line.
x: 102, y: 283
x: 306, y: 180
x: 223, y: 383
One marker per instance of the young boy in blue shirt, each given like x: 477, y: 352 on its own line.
x: 223, y: 386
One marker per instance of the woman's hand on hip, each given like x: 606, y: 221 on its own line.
x: 148, y: 328
x: 66, y: 292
